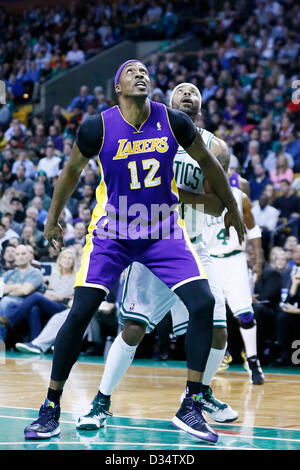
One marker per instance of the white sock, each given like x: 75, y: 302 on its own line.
x: 249, y: 338
x: 213, y: 363
x: 119, y: 358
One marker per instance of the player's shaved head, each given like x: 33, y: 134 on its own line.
x: 187, y: 98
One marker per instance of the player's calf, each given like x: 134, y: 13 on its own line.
x: 248, y: 331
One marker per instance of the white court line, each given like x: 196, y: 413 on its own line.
x: 153, y: 419
x: 166, y: 430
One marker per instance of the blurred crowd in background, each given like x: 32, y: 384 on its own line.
x: 247, y: 72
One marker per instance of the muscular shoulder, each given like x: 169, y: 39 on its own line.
x: 90, y: 135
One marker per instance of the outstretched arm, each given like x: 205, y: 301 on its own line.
x: 218, y: 181
x: 88, y: 144
x: 211, y: 202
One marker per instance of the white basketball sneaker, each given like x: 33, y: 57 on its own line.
x: 97, y: 415
x: 216, y: 409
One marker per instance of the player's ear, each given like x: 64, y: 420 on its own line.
x: 118, y: 89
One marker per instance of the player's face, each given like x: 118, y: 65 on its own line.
x: 186, y: 99
x: 134, y: 81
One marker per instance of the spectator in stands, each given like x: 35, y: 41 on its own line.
x: 293, y: 148
x: 50, y: 163
x: 40, y: 191
x: 265, y: 142
x: 38, y: 306
x: 17, y: 209
x: 282, y: 172
x: 18, y: 284
x: 289, y: 206
x: 56, y: 138
x: 79, y: 234
x: 6, y: 234
x: 36, y: 233
x: 75, y: 55
x: 270, y: 162
x: 82, y: 100
x: 23, y: 184
x: 270, y: 192
x: 8, y: 257
x: 92, y: 44
x: 88, y: 195
x: 266, y: 217
x: 290, y: 244
x: 13, y: 229
x: 258, y: 182
x: 266, y: 299
x: 26, y: 162
x: 288, y: 321
x: 37, y: 203
x: 209, y: 90
x: 7, y: 177
x: 281, y: 264
x: 234, y: 111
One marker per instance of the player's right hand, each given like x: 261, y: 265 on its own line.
x: 234, y: 219
x: 54, y: 234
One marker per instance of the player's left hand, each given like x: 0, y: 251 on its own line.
x: 234, y: 219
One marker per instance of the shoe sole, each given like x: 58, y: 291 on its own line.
x: 228, y: 420
x: 33, y: 435
x: 90, y: 426
x: 200, y: 435
x: 27, y: 349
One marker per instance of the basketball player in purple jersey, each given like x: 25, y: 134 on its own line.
x: 136, y: 143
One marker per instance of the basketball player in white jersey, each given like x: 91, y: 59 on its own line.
x: 147, y: 300
x: 229, y: 259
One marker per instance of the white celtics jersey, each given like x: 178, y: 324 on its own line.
x: 189, y: 176
x: 214, y: 231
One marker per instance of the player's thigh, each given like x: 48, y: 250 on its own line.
x: 237, y: 286
x: 213, y: 277
x: 102, y: 263
x: 145, y: 297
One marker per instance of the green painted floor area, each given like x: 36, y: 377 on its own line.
x: 122, y: 433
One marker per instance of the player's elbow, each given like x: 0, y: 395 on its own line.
x: 215, y: 207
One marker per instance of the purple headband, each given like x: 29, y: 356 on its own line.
x: 120, y: 69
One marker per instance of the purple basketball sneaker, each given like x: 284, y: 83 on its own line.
x: 189, y: 418
x: 47, y: 424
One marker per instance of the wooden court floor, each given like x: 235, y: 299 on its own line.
x: 143, y: 405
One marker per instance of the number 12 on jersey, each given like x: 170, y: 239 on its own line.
x: 150, y: 180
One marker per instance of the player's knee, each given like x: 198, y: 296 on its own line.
x: 246, y: 320
x: 219, y: 338
x: 133, y: 332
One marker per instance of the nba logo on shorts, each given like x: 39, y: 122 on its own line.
x: 131, y: 306
x: 158, y: 125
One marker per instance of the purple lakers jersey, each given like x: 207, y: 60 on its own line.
x: 136, y: 167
